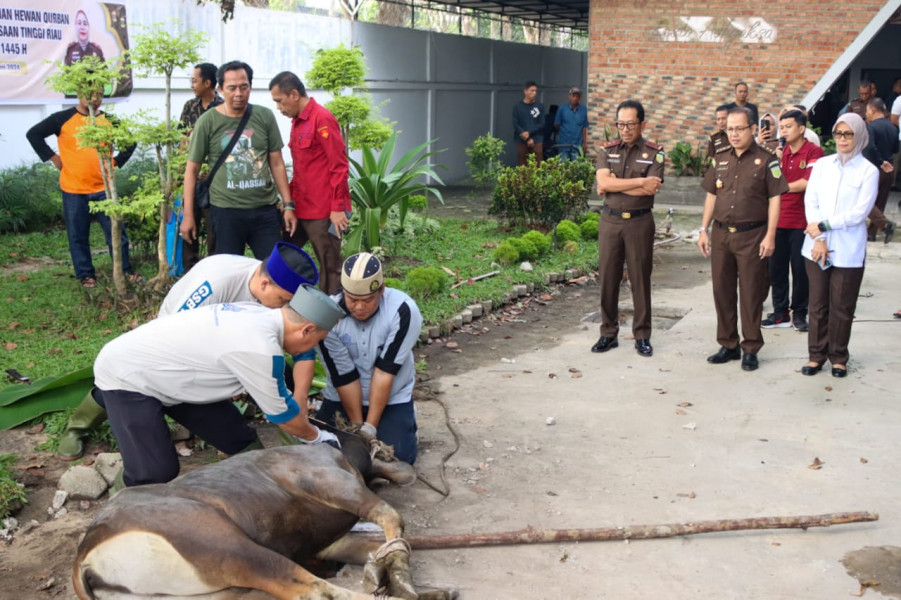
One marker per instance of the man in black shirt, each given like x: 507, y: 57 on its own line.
x: 528, y: 125
x: 741, y: 99
x: 883, y: 144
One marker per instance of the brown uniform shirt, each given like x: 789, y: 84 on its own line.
x: 642, y: 159
x: 718, y: 140
x: 744, y: 184
x: 859, y: 107
x: 75, y: 53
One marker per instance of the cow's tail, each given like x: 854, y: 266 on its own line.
x: 81, y: 576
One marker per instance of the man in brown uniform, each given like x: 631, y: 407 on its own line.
x: 718, y: 139
x: 865, y: 91
x: 743, y: 193
x: 629, y: 173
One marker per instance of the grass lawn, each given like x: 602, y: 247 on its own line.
x: 49, y: 325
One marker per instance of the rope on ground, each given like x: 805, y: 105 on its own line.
x: 441, y: 472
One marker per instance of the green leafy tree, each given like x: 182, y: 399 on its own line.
x: 88, y: 78
x: 159, y: 50
x: 485, y: 159
x: 335, y: 71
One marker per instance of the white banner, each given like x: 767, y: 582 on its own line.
x: 36, y: 33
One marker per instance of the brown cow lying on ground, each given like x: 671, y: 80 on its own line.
x: 250, y: 522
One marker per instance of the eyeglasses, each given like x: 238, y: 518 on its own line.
x: 846, y: 135
x: 737, y: 129
x: 630, y: 125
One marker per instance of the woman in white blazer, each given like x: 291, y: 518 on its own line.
x: 840, y: 194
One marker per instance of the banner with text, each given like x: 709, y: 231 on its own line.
x: 36, y: 33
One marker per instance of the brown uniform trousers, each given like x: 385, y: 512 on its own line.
x: 833, y: 298
x: 743, y: 186
x: 735, y: 257
x: 627, y: 238
x: 877, y: 215
x: 326, y: 247
x: 523, y: 151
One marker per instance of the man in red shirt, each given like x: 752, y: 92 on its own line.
x: 798, y: 158
x: 319, y: 191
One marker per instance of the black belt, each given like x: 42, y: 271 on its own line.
x: 628, y: 214
x: 740, y: 228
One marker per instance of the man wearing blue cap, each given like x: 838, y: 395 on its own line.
x: 214, y: 280
x: 188, y: 366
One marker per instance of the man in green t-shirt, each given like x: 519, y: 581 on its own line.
x: 244, y: 193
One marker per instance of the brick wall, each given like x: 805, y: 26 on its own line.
x: 680, y: 83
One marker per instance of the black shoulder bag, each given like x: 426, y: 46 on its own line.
x: 202, y: 186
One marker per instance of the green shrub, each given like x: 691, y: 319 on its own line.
x: 589, y: 216
x: 30, y: 199
x: 506, y: 253
x: 418, y: 203
x: 542, y: 243
x: 568, y: 231
x: 590, y: 229
x: 423, y: 282
x: 526, y: 249
x: 393, y: 282
x: 542, y: 194
x: 685, y: 162
x: 485, y: 158
x: 571, y: 247
x: 12, y: 493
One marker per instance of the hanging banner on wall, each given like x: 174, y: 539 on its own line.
x: 36, y: 33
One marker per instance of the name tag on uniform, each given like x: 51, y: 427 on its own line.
x: 613, y: 155
x: 647, y: 162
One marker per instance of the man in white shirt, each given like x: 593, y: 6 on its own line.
x: 188, y: 366
x: 895, y: 118
x: 216, y: 279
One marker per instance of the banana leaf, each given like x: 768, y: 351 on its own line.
x: 20, y: 404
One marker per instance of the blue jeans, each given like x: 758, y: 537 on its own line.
x: 568, y: 151
x: 78, y: 229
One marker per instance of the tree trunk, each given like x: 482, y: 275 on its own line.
x: 530, y: 535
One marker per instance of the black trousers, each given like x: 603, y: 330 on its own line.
x: 236, y: 228
x: 144, y: 439
x: 787, y: 256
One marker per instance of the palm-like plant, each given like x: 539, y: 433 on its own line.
x: 375, y: 187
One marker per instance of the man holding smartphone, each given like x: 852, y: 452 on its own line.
x: 798, y: 158
x: 320, y: 195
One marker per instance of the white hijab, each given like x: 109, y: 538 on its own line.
x: 861, y: 135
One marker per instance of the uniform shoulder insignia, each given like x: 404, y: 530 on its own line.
x: 72, y: 44
x: 723, y: 149
x: 650, y: 144
x: 612, y: 143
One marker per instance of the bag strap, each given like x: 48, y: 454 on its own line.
x: 231, y: 143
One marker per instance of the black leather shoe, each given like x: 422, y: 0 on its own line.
x: 889, y: 231
x: 724, y: 355
x: 643, y: 347
x: 604, y: 344
x: 749, y: 362
x: 811, y: 369
x: 839, y: 372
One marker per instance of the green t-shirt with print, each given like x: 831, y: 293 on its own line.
x: 244, y: 180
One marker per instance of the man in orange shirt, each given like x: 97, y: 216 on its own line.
x: 80, y: 181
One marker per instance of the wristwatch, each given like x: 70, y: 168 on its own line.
x: 822, y: 227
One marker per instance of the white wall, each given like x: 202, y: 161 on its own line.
x: 440, y: 86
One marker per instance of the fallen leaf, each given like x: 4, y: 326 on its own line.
x: 70, y: 336
x: 10, y: 345
x: 13, y: 325
x: 691, y: 495
x: 546, y: 297
x: 55, y: 351
x: 864, y: 585
x: 863, y: 461
x: 816, y: 465
x: 775, y: 543
x: 107, y: 331
x: 458, y: 351
x: 23, y: 278
x: 47, y: 584
x: 526, y: 371
x: 552, y: 376
x: 36, y: 429
x: 451, y: 345
x: 679, y: 411
x: 565, y: 556
x: 685, y: 404
x: 575, y: 375
x: 574, y: 370
x: 828, y: 388
x: 507, y: 375
x: 449, y: 272
x: 479, y: 490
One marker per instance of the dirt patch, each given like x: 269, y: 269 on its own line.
x: 31, y: 264
x: 876, y: 568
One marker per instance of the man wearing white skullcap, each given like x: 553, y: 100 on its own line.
x: 368, y: 357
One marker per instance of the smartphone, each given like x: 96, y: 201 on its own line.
x: 825, y: 264
x: 782, y: 142
x: 331, y: 227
